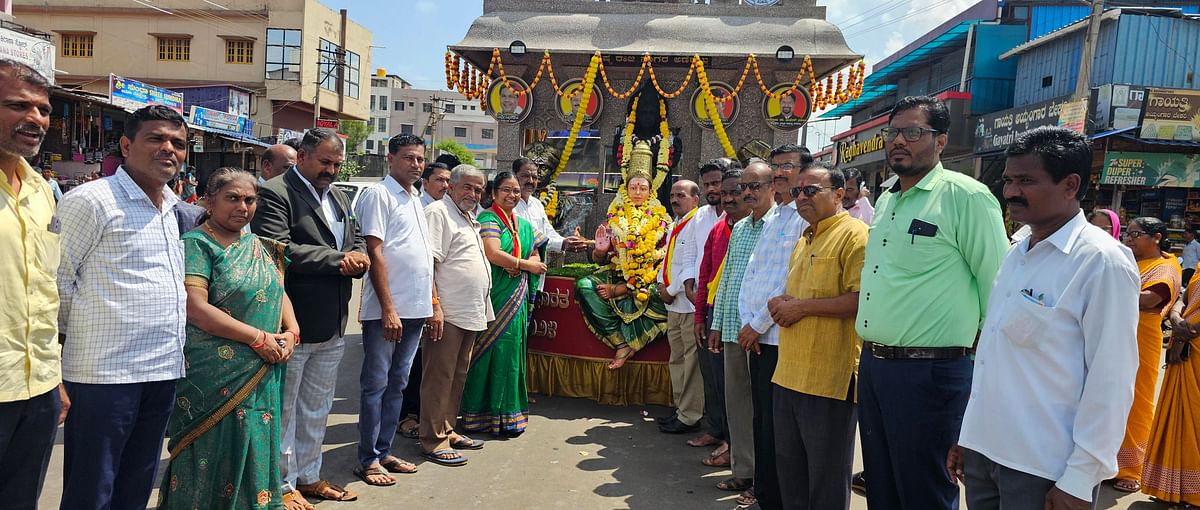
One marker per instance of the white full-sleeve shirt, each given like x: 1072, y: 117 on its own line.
x: 1056, y: 361
x: 685, y: 265
x: 535, y: 213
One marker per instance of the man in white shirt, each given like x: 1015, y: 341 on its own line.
x: 1191, y: 255
x: 1055, y: 366
x: 855, y: 201
x: 395, y: 306
x: 435, y: 180
x: 122, y: 312
x: 463, y: 280
x: 677, y: 288
x: 530, y: 208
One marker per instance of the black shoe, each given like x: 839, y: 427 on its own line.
x: 858, y: 482
x: 677, y: 427
x: 663, y: 420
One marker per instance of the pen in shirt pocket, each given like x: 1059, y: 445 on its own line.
x: 1040, y: 300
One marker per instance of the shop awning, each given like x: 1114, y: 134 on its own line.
x: 232, y: 136
x: 1168, y: 143
x: 1112, y: 132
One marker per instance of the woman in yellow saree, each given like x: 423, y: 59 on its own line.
x: 1161, y: 279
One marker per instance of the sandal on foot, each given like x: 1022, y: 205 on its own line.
x: 619, y: 360
x: 705, y: 440
x: 735, y: 484
x: 445, y: 457
x: 366, y: 473
x: 1125, y: 485
x: 719, y: 461
x: 466, y: 443
x: 325, y: 490
x: 395, y: 465
x: 413, y: 430
x: 293, y: 500
x: 720, y: 450
x: 747, y: 498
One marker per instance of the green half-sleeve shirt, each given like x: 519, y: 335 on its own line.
x: 932, y: 257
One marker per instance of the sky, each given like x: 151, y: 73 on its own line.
x: 412, y: 35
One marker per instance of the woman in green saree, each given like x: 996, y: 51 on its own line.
x: 224, y: 429
x: 494, y: 398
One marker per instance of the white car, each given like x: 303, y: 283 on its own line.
x: 352, y: 190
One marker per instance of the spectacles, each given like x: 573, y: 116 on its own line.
x: 911, y: 134
x: 1133, y: 234
x: 809, y: 191
x: 752, y: 186
x: 786, y: 167
x: 510, y: 191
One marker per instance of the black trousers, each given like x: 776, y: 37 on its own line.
x: 910, y: 412
x: 814, y: 445
x: 766, y: 479
x: 27, y: 429
x: 712, y: 371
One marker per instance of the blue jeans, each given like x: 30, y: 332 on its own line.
x: 113, y: 440
x: 384, y: 376
x: 27, y: 430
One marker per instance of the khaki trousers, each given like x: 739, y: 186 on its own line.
x: 687, y: 387
x: 444, y: 366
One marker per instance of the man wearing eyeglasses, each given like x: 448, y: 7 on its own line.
x: 765, y: 276
x: 818, y: 347
x: 936, y: 244
x: 726, y: 325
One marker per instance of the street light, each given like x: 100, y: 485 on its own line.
x: 517, y: 48
x: 785, y: 54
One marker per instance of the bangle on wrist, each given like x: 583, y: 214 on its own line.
x: 259, y: 339
x: 518, y: 264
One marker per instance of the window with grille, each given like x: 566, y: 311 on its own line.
x: 460, y: 132
x: 398, y: 106
x: 371, y: 145
x: 175, y: 49
x: 426, y: 107
x: 382, y: 125
x: 383, y: 101
x: 406, y: 129
x: 77, y: 45
x: 239, y: 51
x: 283, y: 54
x: 487, y: 134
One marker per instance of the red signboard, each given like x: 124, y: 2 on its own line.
x: 558, y: 327
x: 327, y: 123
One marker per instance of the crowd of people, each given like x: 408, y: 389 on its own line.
x: 796, y: 316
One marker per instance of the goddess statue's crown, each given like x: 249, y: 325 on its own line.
x: 641, y: 162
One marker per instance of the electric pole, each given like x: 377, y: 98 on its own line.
x: 1083, y: 82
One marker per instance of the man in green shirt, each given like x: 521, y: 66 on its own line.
x: 935, y: 247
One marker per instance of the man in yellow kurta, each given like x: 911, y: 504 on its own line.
x: 818, y: 347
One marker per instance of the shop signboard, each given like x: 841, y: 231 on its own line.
x: 327, y: 123
x: 32, y: 51
x: 1151, y: 169
x: 132, y: 94
x: 1074, y: 115
x: 209, y: 118
x: 1171, y: 114
x: 1118, y: 106
x: 864, y: 147
x: 285, y: 134
x: 996, y: 131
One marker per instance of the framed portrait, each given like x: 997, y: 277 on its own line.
x: 568, y: 103
x: 507, y: 106
x: 789, y: 112
x: 727, y: 110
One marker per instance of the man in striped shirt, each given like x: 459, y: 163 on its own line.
x: 757, y: 194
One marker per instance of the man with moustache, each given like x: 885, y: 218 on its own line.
x: 304, y: 210
x: 713, y: 423
x: 756, y: 191
x: 122, y: 311
x: 855, y: 202
x: 818, y: 348
x: 435, y: 180
x: 530, y: 208
x: 32, y: 402
x: 766, y: 274
x: 676, y: 288
x: 276, y: 160
x: 711, y: 266
x: 932, y: 257
x: 463, y: 280
x: 396, y: 306
x: 1055, y: 357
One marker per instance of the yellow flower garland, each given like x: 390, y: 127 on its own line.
x: 637, y: 231
x: 711, y: 107
x: 589, y: 80
x: 549, y: 199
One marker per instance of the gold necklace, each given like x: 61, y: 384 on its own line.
x: 213, y: 233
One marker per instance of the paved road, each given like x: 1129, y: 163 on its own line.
x: 575, y: 455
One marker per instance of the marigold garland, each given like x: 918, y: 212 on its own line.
x: 637, y: 231
x: 710, y: 105
x: 589, y: 81
x: 549, y: 199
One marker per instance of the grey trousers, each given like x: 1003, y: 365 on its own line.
x: 814, y: 449
x: 739, y: 409
x: 991, y: 486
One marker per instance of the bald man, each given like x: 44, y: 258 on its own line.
x: 275, y: 161
x: 677, y: 288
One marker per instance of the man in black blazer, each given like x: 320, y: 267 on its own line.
x: 302, y: 209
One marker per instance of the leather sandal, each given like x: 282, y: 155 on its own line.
x: 327, y: 491
x: 293, y: 500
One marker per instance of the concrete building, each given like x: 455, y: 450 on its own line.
x: 435, y: 115
x: 269, y: 53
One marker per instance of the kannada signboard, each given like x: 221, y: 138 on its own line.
x: 996, y: 131
x: 209, y: 118
x: 1171, y: 114
x: 1152, y: 169
x: 1118, y: 106
x: 132, y: 94
x: 31, y: 51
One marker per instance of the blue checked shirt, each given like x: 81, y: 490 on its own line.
x: 742, y: 241
x: 767, y: 270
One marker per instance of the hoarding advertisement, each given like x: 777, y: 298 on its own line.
x: 1152, y: 169
x: 1171, y: 114
x: 132, y: 94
